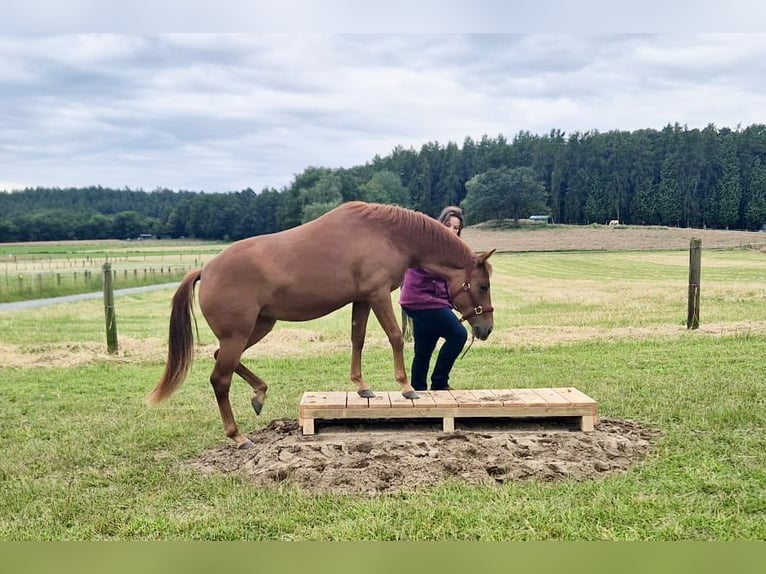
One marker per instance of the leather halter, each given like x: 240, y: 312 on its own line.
x: 477, y: 309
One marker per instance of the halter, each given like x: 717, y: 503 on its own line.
x: 477, y: 309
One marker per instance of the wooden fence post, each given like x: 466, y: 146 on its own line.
x: 695, y: 264
x: 111, y: 319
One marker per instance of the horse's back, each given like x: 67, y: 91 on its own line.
x: 306, y: 271
x: 335, y: 239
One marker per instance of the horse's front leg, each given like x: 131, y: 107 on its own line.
x: 384, y: 311
x: 360, y: 312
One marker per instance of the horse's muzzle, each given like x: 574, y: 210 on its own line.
x: 482, y: 332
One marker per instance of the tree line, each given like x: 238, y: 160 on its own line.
x: 714, y: 178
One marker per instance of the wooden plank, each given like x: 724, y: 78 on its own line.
x: 487, y: 398
x: 509, y: 398
x: 553, y: 397
x: 324, y: 400
x: 426, y: 400
x: 465, y: 398
x: 441, y: 398
x: 391, y: 413
x: 528, y: 411
x: 437, y: 412
x: 399, y: 402
x: 530, y: 398
x: 380, y: 401
x: 353, y: 400
x: 575, y: 396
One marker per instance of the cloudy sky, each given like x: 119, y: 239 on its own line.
x: 223, y: 112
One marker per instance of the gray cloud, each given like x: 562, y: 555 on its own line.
x: 225, y: 112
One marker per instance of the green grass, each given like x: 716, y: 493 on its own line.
x: 81, y: 457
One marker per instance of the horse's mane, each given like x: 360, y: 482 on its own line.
x: 409, y: 225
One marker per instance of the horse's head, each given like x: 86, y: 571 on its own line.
x: 471, y: 297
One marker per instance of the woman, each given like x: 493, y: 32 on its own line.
x: 424, y: 297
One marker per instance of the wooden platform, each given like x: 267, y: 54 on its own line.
x: 449, y: 405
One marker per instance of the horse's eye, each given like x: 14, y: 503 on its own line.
x: 483, y: 288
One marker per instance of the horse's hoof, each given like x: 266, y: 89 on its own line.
x: 257, y: 405
x: 366, y: 394
x: 245, y: 445
x: 411, y: 395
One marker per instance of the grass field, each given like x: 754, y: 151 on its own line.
x: 51, y: 269
x: 82, y: 458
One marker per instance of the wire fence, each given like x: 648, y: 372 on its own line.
x: 24, y: 278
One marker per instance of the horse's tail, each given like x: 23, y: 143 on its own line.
x: 180, y: 340
x: 406, y: 326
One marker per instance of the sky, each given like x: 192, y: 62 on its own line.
x: 105, y: 103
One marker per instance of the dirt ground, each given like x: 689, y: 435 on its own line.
x: 378, y: 457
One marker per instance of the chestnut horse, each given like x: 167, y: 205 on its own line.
x: 357, y: 253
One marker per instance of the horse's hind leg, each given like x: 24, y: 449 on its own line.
x: 226, y: 362
x: 258, y: 386
x: 263, y: 327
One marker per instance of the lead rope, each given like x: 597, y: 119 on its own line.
x: 468, y: 347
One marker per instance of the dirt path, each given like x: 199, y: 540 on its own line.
x: 32, y: 303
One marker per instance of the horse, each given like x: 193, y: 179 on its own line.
x: 355, y: 253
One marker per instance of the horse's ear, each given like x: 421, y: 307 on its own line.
x: 482, y: 257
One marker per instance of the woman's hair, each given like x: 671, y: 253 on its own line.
x: 451, y: 211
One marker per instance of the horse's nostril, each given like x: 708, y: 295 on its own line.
x: 482, y: 332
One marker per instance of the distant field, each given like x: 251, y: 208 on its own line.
x: 106, y: 248
x: 483, y: 236
x: 601, y: 237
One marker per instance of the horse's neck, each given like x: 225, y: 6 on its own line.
x: 435, y: 258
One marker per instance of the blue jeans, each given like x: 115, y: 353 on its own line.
x: 428, y: 326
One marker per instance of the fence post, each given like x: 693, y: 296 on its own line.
x: 111, y: 320
x: 695, y: 263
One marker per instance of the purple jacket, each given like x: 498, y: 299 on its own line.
x: 424, y: 290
